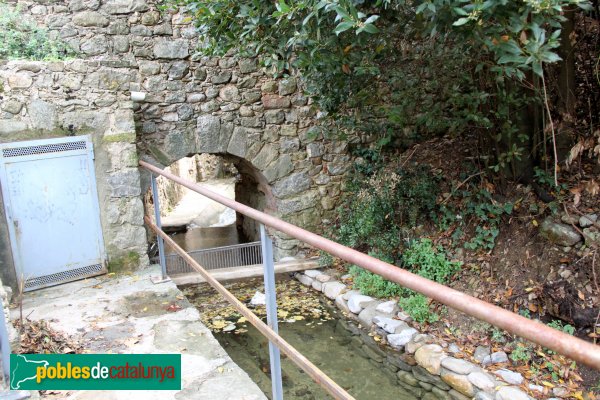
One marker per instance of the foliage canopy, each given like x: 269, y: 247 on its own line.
x: 318, y: 34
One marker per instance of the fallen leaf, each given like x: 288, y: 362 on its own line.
x: 532, y: 307
x: 173, y: 308
x: 219, y: 324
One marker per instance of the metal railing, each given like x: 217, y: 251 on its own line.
x: 574, y: 348
x: 238, y: 255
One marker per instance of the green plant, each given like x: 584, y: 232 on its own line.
x: 525, y: 313
x: 371, y: 161
x: 430, y: 262
x: 478, y: 209
x: 403, y: 71
x: 546, y: 183
x: 325, y: 259
x: 371, y: 284
x: 377, y: 209
x: 521, y: 353
x: 558, y: 324
x: 498, y: 335
x: 23, y: 38
x: 417, y: 306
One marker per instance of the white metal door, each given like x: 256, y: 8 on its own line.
x: 51, y: 204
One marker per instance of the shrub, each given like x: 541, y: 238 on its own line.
x: 21, y: 38
x: 476, y: 208
x: 417, y: 306
x: 422, y: 258
x: 375, y: 213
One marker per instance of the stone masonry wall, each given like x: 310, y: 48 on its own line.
x: 42, y: 100
x: 187, y: 104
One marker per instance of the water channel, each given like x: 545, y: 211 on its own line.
x: 312, y: 327
x: 307, y: 322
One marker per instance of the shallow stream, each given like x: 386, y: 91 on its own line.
x: 207, y: 238
x: 315, y: 332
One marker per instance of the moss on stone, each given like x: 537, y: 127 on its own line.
x: 134, y: 159
x: 32, y: 134
x: 128, y: 262
x: 128, y: 137
x: 160, y: 156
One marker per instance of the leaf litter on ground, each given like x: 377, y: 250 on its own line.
x: 295, y: 303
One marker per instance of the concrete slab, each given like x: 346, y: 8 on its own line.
x: 130, y: 314
x: 248, y: 271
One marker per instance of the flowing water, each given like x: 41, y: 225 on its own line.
x: 204, y: 223
x: 329, y: 347
x: 308, y: 324
x: 323, y: 340
x: 206, y: 238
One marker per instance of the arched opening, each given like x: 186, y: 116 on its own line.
x: 196, y: 222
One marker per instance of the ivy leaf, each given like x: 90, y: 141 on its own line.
x: 369, y: 28
x: 537, y: 69
x: 550, y: 57
x: 283, y: 7
x: 372, y: 19
x: 421, y: 8
x: 308, y: 17
x: 342, y: 27
x: 461, y: 21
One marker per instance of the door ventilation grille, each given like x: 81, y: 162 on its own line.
x: 43, y: 149
x: 62, y: 277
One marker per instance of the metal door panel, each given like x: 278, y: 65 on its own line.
x: 52, y: 210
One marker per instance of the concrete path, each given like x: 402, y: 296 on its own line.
x: 130, y: 314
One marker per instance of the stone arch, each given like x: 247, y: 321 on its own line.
x: 270, y: 182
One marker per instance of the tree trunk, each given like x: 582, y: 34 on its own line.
x: 567, y: 106
x: 566, y: 77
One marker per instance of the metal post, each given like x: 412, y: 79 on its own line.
x: 269, y: 270
x: 161, y: 244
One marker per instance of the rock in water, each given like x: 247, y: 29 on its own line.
x: 258, y: 299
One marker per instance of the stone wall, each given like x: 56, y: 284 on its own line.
x: 424, y: 369
x: 184, y: 104
x: 42, y: 100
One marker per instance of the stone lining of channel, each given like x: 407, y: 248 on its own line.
x: 425, y: 370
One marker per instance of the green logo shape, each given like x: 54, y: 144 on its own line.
x: 95, y: 371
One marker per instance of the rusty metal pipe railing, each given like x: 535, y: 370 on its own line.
x: 574, y: 348
x: 315, y: 373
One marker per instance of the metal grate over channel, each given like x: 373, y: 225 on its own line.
x: 238, y: 255
x: 43, y: 149
x: 63, y: 277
